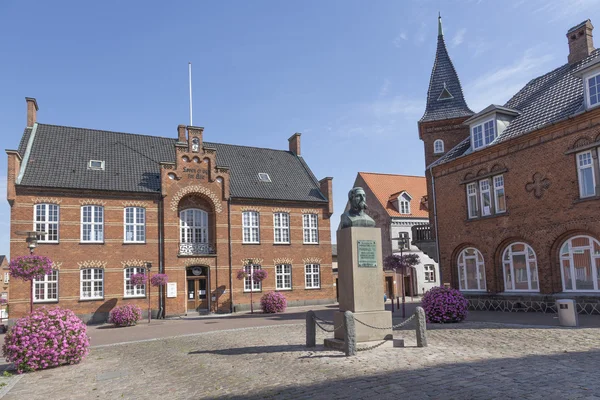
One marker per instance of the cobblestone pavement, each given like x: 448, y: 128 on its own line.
x: 464, y: 361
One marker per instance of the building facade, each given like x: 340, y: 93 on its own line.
x: 514, y: 190
x: 113, y: 204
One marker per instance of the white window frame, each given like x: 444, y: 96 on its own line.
x: 197, y: 231
x: 404, y: 203
x: 512, y: 267
x: 429, y: 270
x: 481, y: 129
x: 96, y: 167
x: 250, y: 227
x: 44, y: 224
x: 471, y: 189
x: 283, y: 277
x: 594, y: 260
x: 7, y: 277
x: 309, y: 277
x: 249, y: 284
x: 438, y: 146
x: 46, y: 283
x: 482, y: 193
x: 588, y: 96
x: 281, y: 225
x: 580, y: 176
x: 310, y: 228
x: 134, y: 291
x: 96, y: 276
x: 93, y: 223
x: 135, y: 224
x: 462, y: 270
x: 498, y: 182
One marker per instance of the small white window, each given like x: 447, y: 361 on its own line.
x: 281, y: 226
x: 46, y: 220
x: 593, y: 84
x: 587, y: 179
x: 6, y: 277
x: 96, y: 164
x: 249, y: 284
x: 135, y: 225
x: 310, y: 228
x: 264, y: 177
x: 477, y: 136
x: 472, y: 200
x: 486, y: 200
x: 283, y: 277
x: 250, y: 227
x: 92, y: 224
x: 312, y: 276
x: 489, y: 132
x: 46, y: 288
x: 483, y: 134
x: 499, y: 197
x: 92, y: 283
x: 429, y: 273
x: 438, y: 146
x: 131, y: 290
x: 404, y: 202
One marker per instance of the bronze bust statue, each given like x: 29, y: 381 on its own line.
x: 356, y: 216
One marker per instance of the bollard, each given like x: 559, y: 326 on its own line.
x: 421, y: 327
x: 311, y: 329
x: 349, y: 334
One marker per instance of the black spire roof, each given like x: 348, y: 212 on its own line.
x: 445, y: 97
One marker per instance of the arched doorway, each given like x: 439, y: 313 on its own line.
x: 197, y: 292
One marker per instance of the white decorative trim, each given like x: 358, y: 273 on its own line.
x: 46, y: 200
x: 57, y: 264
x: 278, y: 261
x: 197, y: 261
x: 92, y: 264
x: 249, y: 261
x: 142, y: 204
x: 196, y: 189
x: 311, y: 260
x: 282, y: 210
x: 250, y: 208
x: 133, y: 263
x: 310, y: 211
x: 91, y: 202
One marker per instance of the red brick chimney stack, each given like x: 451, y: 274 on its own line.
x: 326, y: 187
x: 181, y: 134
x: 581, y: 42
x: 32, y: 109
x: 295, y: 143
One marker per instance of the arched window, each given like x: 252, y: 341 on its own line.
x: 194, y: 226
x: 438, y: 146
x: 520, y: 268
x: 580, y: 264
x: 471, y: 270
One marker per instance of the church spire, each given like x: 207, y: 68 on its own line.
x: 445, y: 98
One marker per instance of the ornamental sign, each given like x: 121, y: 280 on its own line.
x: 197, y: 271
x: 367, y: 254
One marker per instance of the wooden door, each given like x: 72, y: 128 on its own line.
x: 197, y: 294
x: 389, y: 283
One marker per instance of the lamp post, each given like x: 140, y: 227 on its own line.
x: 148, y: 266
x: 31, y: 241
x: 402, y: 241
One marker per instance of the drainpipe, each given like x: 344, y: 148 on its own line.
x: 230, y: 263
x: 161, y: 257
x: 435, y: 221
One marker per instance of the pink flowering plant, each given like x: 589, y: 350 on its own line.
x: 159, y: 280
x: 443, y: 305
x: 3, y: 301
x: 273, y: 302
x: 29, y: 267
x: 138, y: 279
x: 241, y: 274
x: 127, y: 315
x: 46, y: 338
x: 259, y: 275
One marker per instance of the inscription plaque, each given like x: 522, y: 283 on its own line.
x: 367, y: 254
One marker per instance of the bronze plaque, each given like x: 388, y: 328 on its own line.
x: 367, y: 254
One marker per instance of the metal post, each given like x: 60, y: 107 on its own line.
x: 349, y: 334
x: 403, y: 273
x: 149, y: 293
x: 311, y: 329
x: 421, y: 327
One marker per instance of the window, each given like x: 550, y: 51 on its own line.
x: 131, y: 290
x: 312, y: 276
x: 520, y: 268
x: 404, y: 202
x: 92, y: 283
x: 483, y: 134
x: 6, y: 277
x: 403, y: 241
x: 471, y: 270
x: 250, y: 227
x: 4, y: 295
x: 281, y: 224
x: 429, y: 273
x: 499, y: 198
x: 472, y: 200
x: 438, y: 146
x: 580, y: 264
x: 283, y: 277
x: 46, y: 220
x: 249, y: 284
x: 264, y: 177
x: 96, y: 164
x: 46, y: 288
x: 479, y: 197
x: 593, y: 90
x: 135, y: 224
x: 193, y: 226
x: 484, y: 193
x: 585, y: 170
x: 92, y: 224
x: 310, y: 228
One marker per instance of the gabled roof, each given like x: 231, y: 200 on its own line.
x: 59, y: 157
x: 445, y: 98
x: 387, y: 187
x: 545, y: 100
x: 2, y: 259
x: 493, y: 108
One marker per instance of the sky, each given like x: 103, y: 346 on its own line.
x: 351, y: 76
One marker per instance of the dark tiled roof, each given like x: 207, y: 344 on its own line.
x: 547, y: 99
x: 2, y: 258
x: 444, y: 76
x: 60, y: 155
x: 23, y: 143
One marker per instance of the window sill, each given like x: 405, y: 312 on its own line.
x: 284, y: 290
x: 133, y: 297
x: 134, y: 242
x: 94, y: 299
x: 45, y: 301
x: 312, y: 288
x: 52, y: 242
x: 81, y: 242
x: 282, y: 244
x: 488, y: 217
x: 255, y: 291
x: 313, y: 244
x: 583, y: 199
x: 251, y: 243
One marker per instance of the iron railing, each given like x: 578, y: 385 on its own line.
x: 194, y: 249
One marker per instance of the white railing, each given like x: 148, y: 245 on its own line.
x: 192, y: 249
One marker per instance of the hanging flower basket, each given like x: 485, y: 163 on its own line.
x: 259, y: 275
x: 29, y: 267
x: 138, y: 279
x: 242, y: 274
x: 159, y: 280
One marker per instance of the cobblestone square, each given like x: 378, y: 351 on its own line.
x: 463, y: 361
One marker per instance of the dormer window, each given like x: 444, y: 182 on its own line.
x: 438, y: 146
x: 264, y: 177
x: 593, y: 90
x: 404, y: 203
x: 96, y: 164
x: 483, y: 134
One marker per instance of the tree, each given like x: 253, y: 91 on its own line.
x: 399, y: 263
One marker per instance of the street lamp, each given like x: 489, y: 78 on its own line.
x: 148, y: 266
x: 402, y: 241
x: 31, y: 241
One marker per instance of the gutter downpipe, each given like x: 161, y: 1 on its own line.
x: 230, y: 262
x: 161, y: 254
x: 435, y: 221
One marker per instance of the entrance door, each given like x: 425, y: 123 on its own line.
x: 197, y: 297
x: 389, y: 287
x: 408, y: 285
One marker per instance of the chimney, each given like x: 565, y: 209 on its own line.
x: 32, y: 109
x: 295, y: 143
x: 181, y: 134
x: 581, y: 42
x: 326, y: 187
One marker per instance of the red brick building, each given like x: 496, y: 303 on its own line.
x: 110, y: 203
x: 514, y: 190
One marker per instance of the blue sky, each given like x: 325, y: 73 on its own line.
x: 351, y: 76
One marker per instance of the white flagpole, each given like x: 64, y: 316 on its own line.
x: 190, y: 79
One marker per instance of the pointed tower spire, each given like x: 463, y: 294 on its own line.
x: 445, y: 98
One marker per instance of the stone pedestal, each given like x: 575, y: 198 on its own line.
x: 360, y: 280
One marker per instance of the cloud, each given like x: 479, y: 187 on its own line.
x: 385, y: 88
x: 421, y: 34
x: 402, y: 37
x: 459, y: 37
x: 477, y: 47
x: 562, y: 10
x: 396, y: 106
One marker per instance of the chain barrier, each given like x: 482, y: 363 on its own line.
x: 400, y: 325
x: 322, y: 320
x: 371, y: 347
x: 328, y: 330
